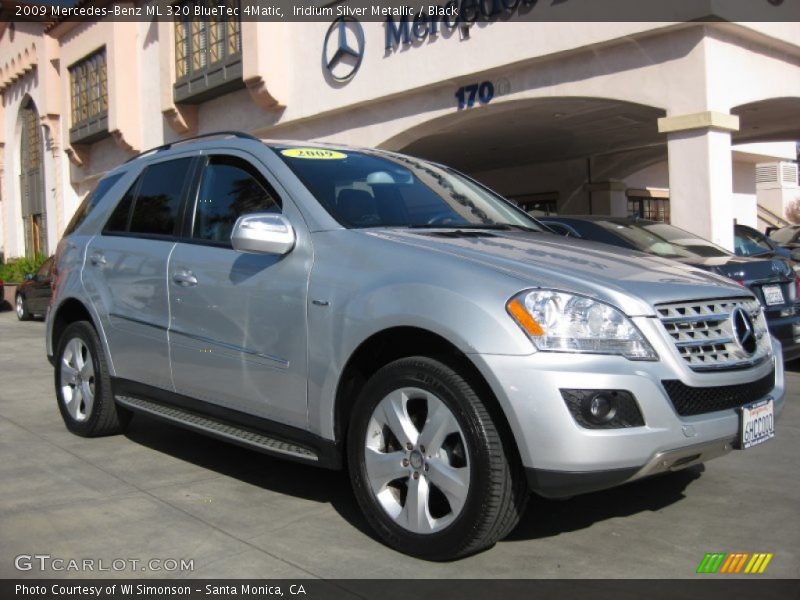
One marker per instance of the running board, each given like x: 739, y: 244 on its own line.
x: 219, y: 429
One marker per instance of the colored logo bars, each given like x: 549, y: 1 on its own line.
x: 738, y: 562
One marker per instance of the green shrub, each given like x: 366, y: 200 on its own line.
x: 15, y: 269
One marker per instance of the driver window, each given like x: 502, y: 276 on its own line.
x: 229, y: 188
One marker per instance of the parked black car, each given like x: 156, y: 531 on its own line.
x: 748, y: 241
x: 772, y: 280
x: 33, y: 295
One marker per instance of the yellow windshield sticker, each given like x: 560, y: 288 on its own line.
x: 313, y: 153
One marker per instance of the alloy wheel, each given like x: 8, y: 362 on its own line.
x: 77, y: 379
x: 417, y: 460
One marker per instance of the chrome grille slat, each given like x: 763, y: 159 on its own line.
x: 705, y: 342
x: 695, y: 318
x: 703, y: 335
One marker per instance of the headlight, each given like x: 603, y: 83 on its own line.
x: 560, y: 322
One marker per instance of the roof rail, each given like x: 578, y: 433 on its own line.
x: 238, y: 134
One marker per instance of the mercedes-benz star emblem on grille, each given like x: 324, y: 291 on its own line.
x: 743, y: 331
x: 343, y: 48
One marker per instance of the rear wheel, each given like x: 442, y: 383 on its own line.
x: 427, y: 462
x: 83, y: 384
x: 21, y: 307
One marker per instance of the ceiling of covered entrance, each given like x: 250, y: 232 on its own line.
x: 774, y: 119
x: 535, y: 131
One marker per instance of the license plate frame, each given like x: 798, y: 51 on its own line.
x: 756, y: 423
x: 773, y: 295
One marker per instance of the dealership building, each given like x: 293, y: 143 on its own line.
x: 694, y: 123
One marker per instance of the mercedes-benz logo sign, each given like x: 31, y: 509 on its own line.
x: 743, y: 331
x: 344, y: 48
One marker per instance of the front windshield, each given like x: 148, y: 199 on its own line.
x: 362, y: 189
x: 664, y: 240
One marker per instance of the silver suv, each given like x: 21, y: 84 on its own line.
x: 355, y: 308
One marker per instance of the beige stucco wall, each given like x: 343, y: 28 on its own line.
x: 397, y: 96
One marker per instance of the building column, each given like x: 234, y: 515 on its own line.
x: 701, y: 173
x: 608, y: 198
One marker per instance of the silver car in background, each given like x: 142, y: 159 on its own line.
x: 345, y: 307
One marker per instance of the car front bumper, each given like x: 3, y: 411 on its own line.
x: 563, y: 459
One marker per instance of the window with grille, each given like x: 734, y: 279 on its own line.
x: 208, y: 54
x: 652, y: 209
x: 89, y: 99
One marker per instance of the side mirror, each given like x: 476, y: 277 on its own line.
x: 29, y: 277
x: 263, y: 233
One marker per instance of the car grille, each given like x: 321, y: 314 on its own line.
x: 689, y: 400
x: 703, y: 333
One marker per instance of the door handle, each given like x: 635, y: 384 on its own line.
x: 184, y: 278
x: 97, y: 258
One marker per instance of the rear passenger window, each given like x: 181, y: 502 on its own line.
x: 155, y: 211
x: 118, y: 221
x: 150, y: 206
x: 228, y: 189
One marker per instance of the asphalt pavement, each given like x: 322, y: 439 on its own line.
x: 160, y: 493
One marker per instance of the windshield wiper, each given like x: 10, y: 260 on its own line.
x: 471, y: 226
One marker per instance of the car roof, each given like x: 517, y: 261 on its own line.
x: 207, y: 139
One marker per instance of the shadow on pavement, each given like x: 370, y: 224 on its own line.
x: 543, y: 518
x: 278, y: 475
x: 547, y: 518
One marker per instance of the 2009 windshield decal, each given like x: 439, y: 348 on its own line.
x: 314, y: 153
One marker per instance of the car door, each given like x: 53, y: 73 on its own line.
x: 39, y: 292
x: 237, y: 334
x: 125, y: 272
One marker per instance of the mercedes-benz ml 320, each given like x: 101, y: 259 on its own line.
x: 337, y: 306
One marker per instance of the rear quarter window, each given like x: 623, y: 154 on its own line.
x: 92, y: 199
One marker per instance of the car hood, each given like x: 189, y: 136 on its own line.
x: 763, y: 268
x: 631, y: 280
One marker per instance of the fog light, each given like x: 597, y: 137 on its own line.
x: 603, y: 409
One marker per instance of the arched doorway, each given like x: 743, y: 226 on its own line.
x: 34, y: 217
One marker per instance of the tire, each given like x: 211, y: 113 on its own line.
x: 83, y: 384
x: 469, y: 490
x: 21, y: 308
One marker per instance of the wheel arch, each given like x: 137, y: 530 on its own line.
x: 69, y: 311
x: 388, y: 345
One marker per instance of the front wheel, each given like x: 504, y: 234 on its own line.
x: 83, y: 384
x: 23, y: 314
x: 427, y: 462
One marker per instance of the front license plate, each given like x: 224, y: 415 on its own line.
x: 772, y: 294
x: 758, y: 424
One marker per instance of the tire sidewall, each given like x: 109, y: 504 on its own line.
x: 102, y: 385
x: 23, y: 314
x: 444, y: 383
